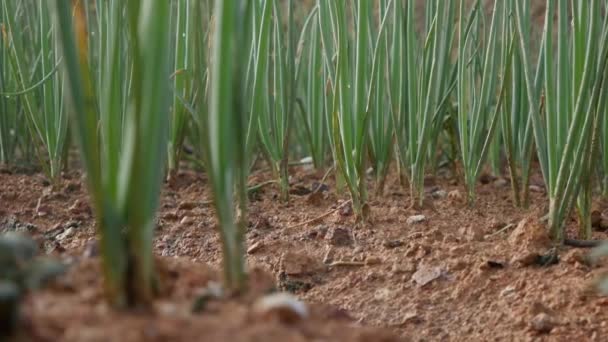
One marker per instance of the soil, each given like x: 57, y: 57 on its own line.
x: 447, y: 271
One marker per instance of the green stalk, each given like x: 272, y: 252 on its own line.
x: 125, y: 197
x: 380, y: 122
x: 566, y: 134
x: 312, y: 108
x: 226, y: 139
x: 477, y: 110
x: 427, y: 85
x: 182, y: 81
x: 350, y: 102
x: 31, y: 57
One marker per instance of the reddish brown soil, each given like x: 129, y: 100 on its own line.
x: 480, y: 284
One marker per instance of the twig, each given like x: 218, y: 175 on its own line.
x: 346, y: 263
x: 318, y: 188
x: 503, y: 229
x: 320, y: 217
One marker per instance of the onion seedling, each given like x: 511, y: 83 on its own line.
x: 33, y: 60
x: 182, y: 78
x: 572, y: 88
x: 478, y: 107
x: 225, y: 136
x: 125, y: 195
x: 428, y: 82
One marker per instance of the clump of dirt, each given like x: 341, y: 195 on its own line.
x: 74, y: 310
x: 461, y: 273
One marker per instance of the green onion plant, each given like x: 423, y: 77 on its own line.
x: 427, y: 79
x: 183, y: 79
x: 125, y: 188
x: 573, y: 83
x: 225, y: 135
x: 33, y: 59
x: 478, y: 83
x: 349, y: 110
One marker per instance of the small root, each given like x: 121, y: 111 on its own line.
x: 313, y: 220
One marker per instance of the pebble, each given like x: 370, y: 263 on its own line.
x: 68, y: 233
x: 255, y: 247
x: 282, y: 306
x: 411, y: 317
x: 415, y: 219
x: 536, y: 188
x: 508, y: 291
x: 501, y: 182
x: 186, y: 220
x: 426, y: 275
x: 438, y: 194
x: 542, y: 323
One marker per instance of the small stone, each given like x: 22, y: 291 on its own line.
x: 186, y: 206
x: 542, y: 323
x: 508, y: 291
x: 68, y: 233
x: 186, y: 220
x: 390, y: 244
x: 281, y: 306
x: 415, y: 219
x: 340, y: 237
x: 501, y: 182
x: 255, y: 247
x: 426, y: 275
x: 438, y: 194
x: 536, y: 188
x: 411, y: 317
x: 373, y: 260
